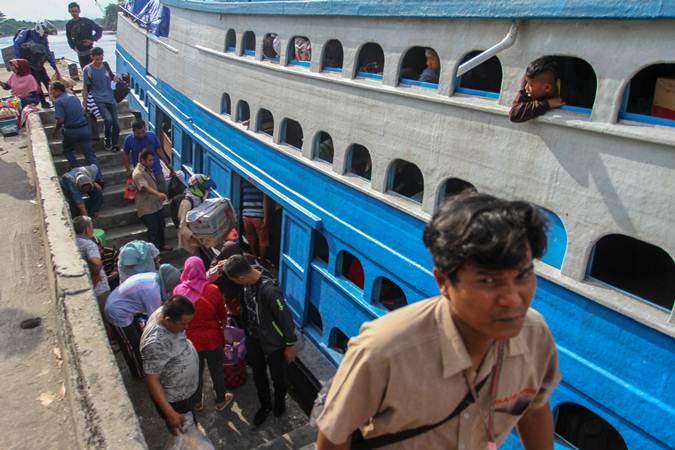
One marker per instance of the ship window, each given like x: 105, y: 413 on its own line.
x: 557, y: 240
x: 370, y: 62
x: 452, y: 187
x: 332, y: 56
x: 351, y: 268
x: 636, y: 267
x: 320, y: 247
x: 584, y: 429
x: 358, y: 161
x: 323, y: 147
x: 248, y: 44
x: 577, y: 83
x: 243, y: 112
x: 225, y: 105
x: 265, y: 122
x: 406, y: 179
x: 421, y: 67
x: 271, y: 47
x: 186, y: 154
x: 299, y: 51
x: 650, y: 96
x: 338, y: 341
x: 230, y: 41
x: 388, y: 294
x: 484, y: 80
x: 291, y: 133
x: 314, y: 318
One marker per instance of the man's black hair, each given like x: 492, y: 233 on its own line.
x: 96, y: 51
x: 177, y: 307
x: 236, y: 266
x: 73, y: 5
x: 488, y: 231
x: 138, y: 124
x: 146, y: 153
x: 541, y: 66
x: 81, y: 223
x: 59, y: 86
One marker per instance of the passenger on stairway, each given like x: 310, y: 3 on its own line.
x: 84, y: 232
x: 199, y: 186
x: 149, y: 200
x: 81, y: 182
x: 69, y: 116
x: 137, y: 257
x: 141, y: 139
x: 231, y: 291
x: 109, y: 257
x: 97, y: 79
x: 539, y: 92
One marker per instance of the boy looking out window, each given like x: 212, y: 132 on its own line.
x: 539, y: 92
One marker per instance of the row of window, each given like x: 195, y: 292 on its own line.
x: 421, y: 66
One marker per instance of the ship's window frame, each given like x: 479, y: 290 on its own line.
x: 378, y: 286
x: 259, y: 122
x: 575, y: 108
x: 443, y: 193
x: 314, y: 319
x: 283, y: 131
x: 271, y: 59
x: 459, y: 89
x: 392, y: 180
x: 225, y: 104
x: 342, y: 259
x: 248, y: 34
x: 624, y: 114
x: 557, y: 240
x: 350, y: 160
x: 324, y: 65
x: 292, y: 60
x: 317, y: 147
x: 359, y: 63
x: 321, y: 249
x: 230, y: 41
x: 577, y: 413
x: 405, y: 80
x: 641, y: 256
x: 238, y: 118
x: 335, y: 339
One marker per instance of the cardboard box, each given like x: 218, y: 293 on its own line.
x: 664, y: 98
x: 214, y: 217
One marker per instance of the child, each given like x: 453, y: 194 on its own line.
x: 22, y: 83
x: 539, y: 93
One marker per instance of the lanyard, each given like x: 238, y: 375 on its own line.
x: 488, y: 419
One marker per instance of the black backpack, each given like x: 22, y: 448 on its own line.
x: 175, y: 205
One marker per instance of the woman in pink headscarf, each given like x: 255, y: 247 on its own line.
x: 22, y: 83
x: 206, y: 328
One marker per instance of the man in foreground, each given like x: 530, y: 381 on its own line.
x: 472, y: 363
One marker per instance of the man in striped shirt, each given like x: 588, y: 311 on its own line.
x: 255, y: 208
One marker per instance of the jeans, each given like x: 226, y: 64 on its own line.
x: 129, y: 338
x: 155, y: 224
x: 259, y: 362
x: 82, y: 138
x: 112, y: 127
x: 215, y: 359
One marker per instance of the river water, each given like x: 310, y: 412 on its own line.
x: 59, y: 45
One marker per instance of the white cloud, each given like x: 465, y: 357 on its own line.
x: 49, y: 9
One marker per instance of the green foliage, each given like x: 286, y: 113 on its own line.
x: 10, y: 26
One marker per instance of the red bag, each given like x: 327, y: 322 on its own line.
x: 235, y: 374
x: 130, y: 190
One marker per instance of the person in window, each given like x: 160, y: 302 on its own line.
x: 271, y: 46
x: 539, y: 92
x: 477, y: 355
x: 82, y: 33
x: 303, y: 49
x: 433, y: 69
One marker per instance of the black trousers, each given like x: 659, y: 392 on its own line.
x: 84, y: 60
x: 129, y: 339
x: 259, y: 362
x: 155, y: 224
x: 42, y: 78
x: 215, y: 359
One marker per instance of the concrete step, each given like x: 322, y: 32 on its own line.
x: 118, y: 236
x: 124, y: 120
x: 114, y: 176
x: 301, y: 437
x: 106, y: 159
x: 120, y: 216
x: 56, y: 146
x: 47, y: 116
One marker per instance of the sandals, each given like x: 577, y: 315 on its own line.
x: 226, y: 401
x: 200, y: 404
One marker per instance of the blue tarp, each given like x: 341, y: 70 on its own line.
x: 156, y: 17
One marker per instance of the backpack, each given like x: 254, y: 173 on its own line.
x: 175, y: 205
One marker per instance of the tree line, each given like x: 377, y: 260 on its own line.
x: 8, y: 26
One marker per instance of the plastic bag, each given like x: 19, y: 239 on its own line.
x: 192, y: 438
x: 235, y: 343
x: 130, y: 190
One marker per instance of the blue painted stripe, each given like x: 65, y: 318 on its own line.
x: 231, y: 49
x: 652, y: 120
x: 462, y: 9
x: 249, y: 52
x: 424, y: 84
x: 374, y: 76
x: 297, y: 62
x: 576, y: 109
x: 333, y: 69
x: 477, y: 92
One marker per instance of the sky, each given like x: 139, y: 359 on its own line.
x: 49, y: 9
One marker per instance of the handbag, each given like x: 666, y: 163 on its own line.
x: 130, y: 190
x: 235, y: 342
x: 121, y: 87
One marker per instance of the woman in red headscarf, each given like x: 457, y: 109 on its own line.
x: 22, y: 83
x: 206, y: 328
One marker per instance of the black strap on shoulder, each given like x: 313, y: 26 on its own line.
x: 388, y: 439
x: 107, y: 67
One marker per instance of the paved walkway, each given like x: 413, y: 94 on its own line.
x: 34, y: 413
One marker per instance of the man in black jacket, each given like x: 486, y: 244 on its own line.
x: 270, y: 333
x: 82, y: 33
